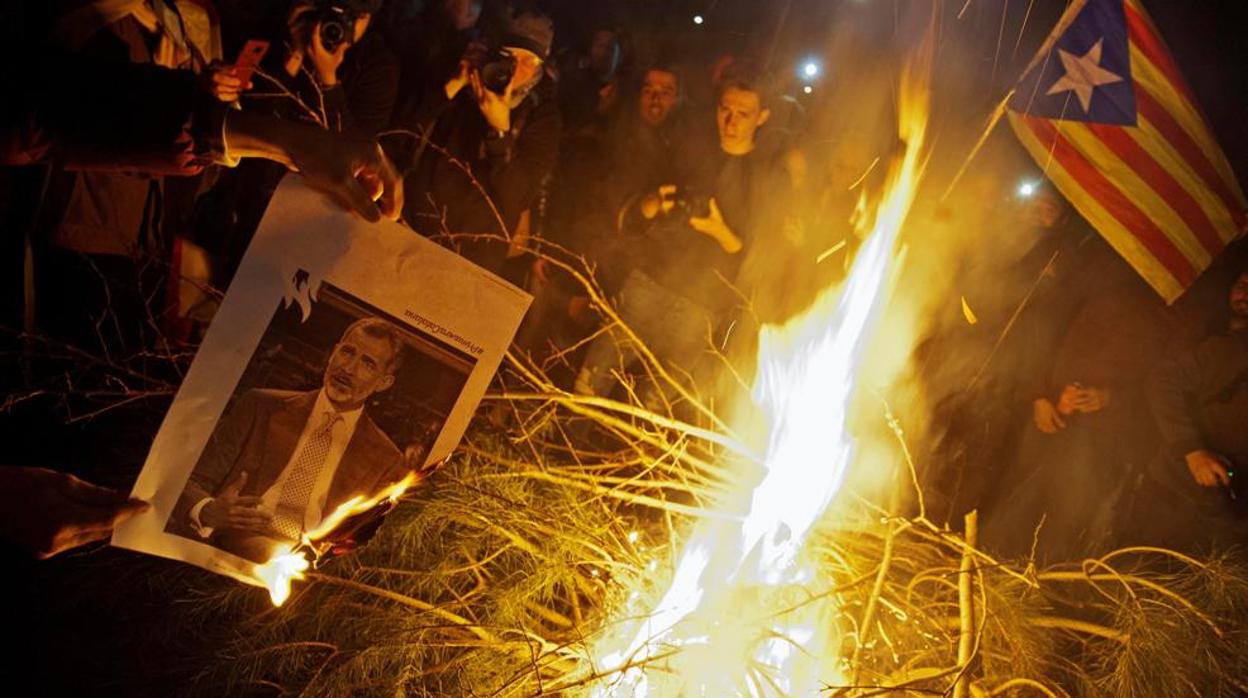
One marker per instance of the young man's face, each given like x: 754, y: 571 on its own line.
x: 360, y: 366
x: 659, y: 91
x: 740, y: 115
x: 1239, y: 298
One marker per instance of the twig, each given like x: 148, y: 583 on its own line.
x: 966, y: 606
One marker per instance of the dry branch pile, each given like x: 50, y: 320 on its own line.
x: 498, y: 576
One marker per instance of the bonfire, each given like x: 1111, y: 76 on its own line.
x: 581, y: 546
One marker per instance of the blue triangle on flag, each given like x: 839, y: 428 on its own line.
x: 1087, y: 74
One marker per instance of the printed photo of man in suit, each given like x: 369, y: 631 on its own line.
x: 279, y: 461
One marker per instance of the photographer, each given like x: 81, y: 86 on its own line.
x: 475, y: 154
x: 693, y: 234
x: 356, y: 74
x: 333, y: 73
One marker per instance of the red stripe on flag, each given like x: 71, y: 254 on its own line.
x: 1140, y: 33
x: 1161, y: 181
x: 1169, y: 128
x: 1114, y: 201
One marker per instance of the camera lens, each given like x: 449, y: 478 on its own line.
x: 497, y: 70
x: 333, y: 33
x: 495, y: 76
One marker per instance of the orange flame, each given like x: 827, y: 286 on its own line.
x: 288, y: 561
x: 708, y: 627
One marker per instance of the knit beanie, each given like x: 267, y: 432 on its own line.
x: 530, y: 31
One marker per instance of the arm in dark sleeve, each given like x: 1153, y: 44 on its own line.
x: 370, y: 95
x: 92, y: 114
x: 411, y: 120
x: 518, y: 164
x: 1172, y: 396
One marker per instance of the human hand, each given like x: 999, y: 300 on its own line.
x: 355, y: 172
x: 299, y: 28
x: 458, y: 80
x: 222, y: 81
x: 45, y: 512
x: 474, y: 55
x: 1046, y: 416
x: 325, y: 63
x: 661, y: 201
x: 1066, y: 402
x: 494, y: 107
x: 1092, y: 399
x: 1208, y: 469
x: 230, y: 510
x: 713, y: 225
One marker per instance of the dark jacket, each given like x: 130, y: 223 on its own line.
x: 690, y: 263
x: 1200, y: 400
x: 105, y: 212
x: 368, y: 84
x: 96, y: 113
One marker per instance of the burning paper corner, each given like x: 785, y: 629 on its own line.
x: 289, y: 562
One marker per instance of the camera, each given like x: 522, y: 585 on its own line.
x: 688, y: 203
x: 337, y: 21
x: 496, y: 69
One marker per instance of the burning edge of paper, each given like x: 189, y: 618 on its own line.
x: 289, y: 562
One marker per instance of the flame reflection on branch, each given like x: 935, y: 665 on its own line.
x: 708, y: 635
x: 289, y: 562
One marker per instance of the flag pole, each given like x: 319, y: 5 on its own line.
x: 1063, y: 23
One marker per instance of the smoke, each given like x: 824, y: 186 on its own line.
x: 969, y: 258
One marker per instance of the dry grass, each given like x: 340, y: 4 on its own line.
x: 497, y: 577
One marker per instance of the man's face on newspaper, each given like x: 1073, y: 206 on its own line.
x: 360, y: 366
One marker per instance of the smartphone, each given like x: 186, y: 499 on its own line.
x: 250, y: 57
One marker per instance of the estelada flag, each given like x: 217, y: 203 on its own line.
x: 1104, y: 110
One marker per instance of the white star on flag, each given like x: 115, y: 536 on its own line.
x: 1083, y: 75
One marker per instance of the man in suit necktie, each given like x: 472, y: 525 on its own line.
x: 281, y: 461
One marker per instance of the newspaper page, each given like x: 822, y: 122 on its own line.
x: 344, y: 356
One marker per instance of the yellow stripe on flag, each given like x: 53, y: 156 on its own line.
x: 1156, y: 145
x: 1137, y: 190
x: 1188, y: 118
x: 1115, y: 233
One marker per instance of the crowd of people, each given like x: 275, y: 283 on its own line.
x: 1080, y: 413
x: 681, y: 176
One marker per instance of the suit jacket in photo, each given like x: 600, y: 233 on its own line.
x: 258, y: 436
